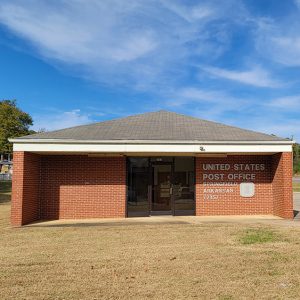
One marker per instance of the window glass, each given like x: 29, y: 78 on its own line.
x: 184, y: 185
x: 138, y: 181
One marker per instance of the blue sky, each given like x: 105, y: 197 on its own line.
x: 77, y: 61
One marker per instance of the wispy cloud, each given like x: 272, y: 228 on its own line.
x: 73, y: 32
x: 116, y: 42
x: 206, y: 103
x: 279, y: 40
x: 155, y: 48
x: 297, y: 2
x: 192, y: 14
x: 286, y: 128
x: 192, y: 94
x: 284, y: 49
x: 256, y: 76
x: 265, y: 114
x: 290, y: 103
x: 61, y: 119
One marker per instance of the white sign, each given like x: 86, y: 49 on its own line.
x: 247, y: 189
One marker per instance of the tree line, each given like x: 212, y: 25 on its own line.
x: 296, y: 155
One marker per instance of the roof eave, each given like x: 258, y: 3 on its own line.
x: 72, y: 141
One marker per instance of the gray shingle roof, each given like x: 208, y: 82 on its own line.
x: 161, y: 125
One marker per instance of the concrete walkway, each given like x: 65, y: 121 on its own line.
x: 297, y: 200
x: 165, y: 220
x: 156, y: 220
x: 296, y: 179
x: 297, y: 203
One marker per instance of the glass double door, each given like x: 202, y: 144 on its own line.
x: 161, y: 200
x: 160, y: 186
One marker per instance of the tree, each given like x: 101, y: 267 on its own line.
x: 296, y: 156
x: 13, y: 123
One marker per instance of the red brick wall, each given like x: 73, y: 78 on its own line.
x: 67, y: 186
x: 282, y: 173
x: 25, y: 188
x: 82, y: 187
x: 232, y: 203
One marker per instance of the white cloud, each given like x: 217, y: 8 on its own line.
x: 286, y: 49
x: 57, y: 120
x: 133, y: 42
x: 78, y: 33
x: 290, y: 103
x: 256, y: 76
x: 192, y: 94
x: 157, y: 45
x: 205, y: 103
x: 280, y: 41
x: 272, y: 116
x: 283, y: 127
x: 193, y: 14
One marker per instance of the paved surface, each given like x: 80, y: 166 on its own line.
x: 297, y: 201
x: 296, y: 179
x: 170, y: 220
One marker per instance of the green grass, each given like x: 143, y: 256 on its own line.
x: 226, y: 297
x: 5, y: 191
x: 5, y: 186
x: 296, y: 186
x: 258, y: 236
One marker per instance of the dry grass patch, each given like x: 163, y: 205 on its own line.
x: 147, y: 261
x: 5, y: 194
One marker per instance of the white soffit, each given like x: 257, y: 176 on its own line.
x: 154, y: 148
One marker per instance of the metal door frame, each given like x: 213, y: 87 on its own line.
x: 151, y: 184
x: 150, y: 188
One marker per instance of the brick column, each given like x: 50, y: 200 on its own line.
x: 282, y: 167
x: 287, y: 165
x: 17, y: 189
x: 25, y: 188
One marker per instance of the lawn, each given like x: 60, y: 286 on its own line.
x: 178, y: 260
x: 5, y: 191
x: 296, y: 186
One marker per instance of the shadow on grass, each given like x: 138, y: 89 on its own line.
x: 102, y: 224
